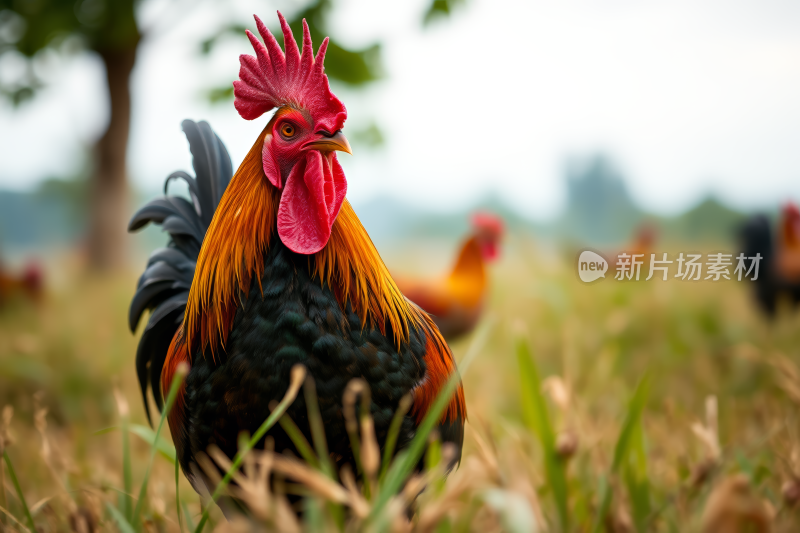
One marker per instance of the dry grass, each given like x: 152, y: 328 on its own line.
x: 717, y: 446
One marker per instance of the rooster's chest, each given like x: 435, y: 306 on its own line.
x: 296, y: 320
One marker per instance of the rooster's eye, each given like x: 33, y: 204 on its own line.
x: 288, y: 131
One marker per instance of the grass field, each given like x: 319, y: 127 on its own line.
x: 616, y: 406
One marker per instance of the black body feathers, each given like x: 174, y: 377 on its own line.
x: 757, y: 236
x: 164, y: 287
x: 298, y: 320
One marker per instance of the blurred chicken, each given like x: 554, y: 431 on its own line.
x: 779, y: 269
x: 642, y: 244
x: 455, y: 301
x: 27, y: 284
x: 787, y: 253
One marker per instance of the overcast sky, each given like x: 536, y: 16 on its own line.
x: 689, y: 98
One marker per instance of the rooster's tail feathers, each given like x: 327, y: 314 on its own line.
x: 164, y: 286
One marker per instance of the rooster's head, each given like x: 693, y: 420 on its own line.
x: 488, y: 229
x: 790, y: 230
x: 304, y: 133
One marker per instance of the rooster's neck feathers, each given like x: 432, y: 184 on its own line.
x: 232, y: 251
x: 232, y: 256
x: 272, y: 79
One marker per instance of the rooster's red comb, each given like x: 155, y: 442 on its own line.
x: 483, y: 220
x: 271, y: 78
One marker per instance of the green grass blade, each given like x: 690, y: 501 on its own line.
x: 307, y: 453
x: 637, y: 481
x: 276, y: 414
x: 148, y: 435
x: 14, y: 481
x: 317, y: 429
x: 536, y: 414
x: 404, y: 464
x: 299, y: 441
x: 432, y: 459
x: 605, y: 504
x: 623, y: 446
x: 394, y: 432
x: 123, y: 524
x: 177, y: 381
x: 178, y: 495
x: 127, y: 475
x: 3, y: 503
x: 632, y: 418
x: 188, y: 516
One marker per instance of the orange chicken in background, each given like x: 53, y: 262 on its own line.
x: 642, y: 244
x: 455, y: 301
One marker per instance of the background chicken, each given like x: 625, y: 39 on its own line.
x: 642, y: 243
x: 27, y: 283
x: 270, y: 268
x: 455, y: 300
x: 779, y: 270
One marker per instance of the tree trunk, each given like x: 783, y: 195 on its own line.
x: 108, y: 206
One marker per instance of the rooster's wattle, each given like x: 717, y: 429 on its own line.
x: 270, y: 267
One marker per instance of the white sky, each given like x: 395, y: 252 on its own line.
x: 688, y: 96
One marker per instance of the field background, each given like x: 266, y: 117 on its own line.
x: 62, y: 359
x: 616, y: 406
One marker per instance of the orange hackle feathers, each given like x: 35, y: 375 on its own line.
x: 351, y: 264
x: 232, y: 252
x: 440, y: 366
x: 232, y: 256
x: 176, y: 355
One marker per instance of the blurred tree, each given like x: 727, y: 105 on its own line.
x: 31, y: 29
x: 709, y: 222
x: 599, y: 209
x: 440, y: 9
x: 108, y: 28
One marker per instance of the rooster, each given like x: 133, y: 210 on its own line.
x: 270, y: 267
x: 455, y: 300
x: 779, y: 269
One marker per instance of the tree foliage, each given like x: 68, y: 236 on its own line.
x: 33, y: 29
x: 28, y: 27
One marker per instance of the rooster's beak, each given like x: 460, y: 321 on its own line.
x: 328, y: 144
